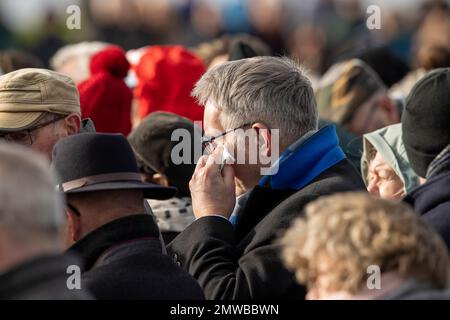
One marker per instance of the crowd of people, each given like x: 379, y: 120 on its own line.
x: 357, y: 186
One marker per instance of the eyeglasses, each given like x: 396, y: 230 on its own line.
x: 25, y: 137
x: 209, y: 144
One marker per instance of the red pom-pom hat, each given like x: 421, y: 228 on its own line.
x: 104, y: 96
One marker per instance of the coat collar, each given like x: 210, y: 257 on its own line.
x: 117, y: 232
x: 35, y: 272
x: 440, y: 164
x: 87, y: 125
x: 298, y: 166
x: 305, y: 159
x: 434, y: 192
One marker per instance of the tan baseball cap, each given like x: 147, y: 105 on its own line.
x: 27, y: 94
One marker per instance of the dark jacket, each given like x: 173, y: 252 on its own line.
x: 351, y: 144
x: 244, y: 262
x: 432, y: 199
x: 43, y: 278
x: 123, y: 260
x: 87, y: 126
x: 418, y: 290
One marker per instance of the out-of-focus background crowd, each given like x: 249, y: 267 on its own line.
x: 318, y: 32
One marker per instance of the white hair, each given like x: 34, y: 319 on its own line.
x: 80, y: 52
x: 31, y: 208
x: 272, y: 90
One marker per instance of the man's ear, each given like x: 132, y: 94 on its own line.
x: 73, y: 227
x: 72, y: 124
x: 264, y: 138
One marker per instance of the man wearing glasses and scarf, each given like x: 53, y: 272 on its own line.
x: 39, y: 107
x: 231, y: 248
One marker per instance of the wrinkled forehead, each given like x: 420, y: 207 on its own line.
x: 379, y: 162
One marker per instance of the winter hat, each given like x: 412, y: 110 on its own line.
x: 388, y: 142
x: 390, y: 67
x: 26, y: 95
x: 91, y: 162
x: 426, y: 119
x: 104, y: 97
x: 153, y: 146
x: 241, y: 50
x: 166, y: 76
x: 344, y: 88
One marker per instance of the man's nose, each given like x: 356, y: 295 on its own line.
x: 373, y: 187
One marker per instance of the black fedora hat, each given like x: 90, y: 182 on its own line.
x: 89, y: 162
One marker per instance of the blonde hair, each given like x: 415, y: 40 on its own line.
x: 343, y: 234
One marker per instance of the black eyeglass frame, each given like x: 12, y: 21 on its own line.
x: 209, y: 140
x: 30, y: 130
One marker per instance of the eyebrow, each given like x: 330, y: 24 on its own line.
x: 383, y: 166
x: 379, y: 167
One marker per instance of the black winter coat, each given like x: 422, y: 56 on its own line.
x: 432, y: 199
x: 124, y: 260
x: 42, y: 278
x: 244, y: 262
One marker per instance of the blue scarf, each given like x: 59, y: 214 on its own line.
x: 303, y: 161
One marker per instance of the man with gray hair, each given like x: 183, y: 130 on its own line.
x: 265, y: 149
x: 31, y: 225
x: 38, y: 107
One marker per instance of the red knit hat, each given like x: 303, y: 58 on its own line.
x: 166, y: 76
x: 104, y: 97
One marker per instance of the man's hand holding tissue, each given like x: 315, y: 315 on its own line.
x: 212, y: 187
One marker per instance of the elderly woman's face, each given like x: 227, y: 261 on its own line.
x: 383, y: 181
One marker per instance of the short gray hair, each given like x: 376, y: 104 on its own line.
x: 81, y: 53
x: 268, y: 89
x: 30, y: 205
